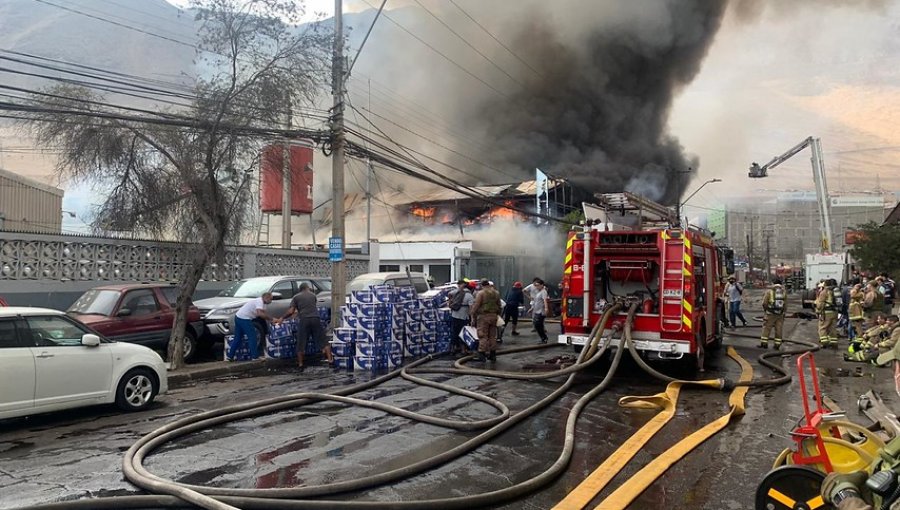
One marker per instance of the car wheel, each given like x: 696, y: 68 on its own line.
x: 136, y: 389
x: 189, y: 345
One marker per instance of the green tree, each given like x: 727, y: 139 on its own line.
x: 572, y: 218
x: 878, y: 248
x: 191, y: 182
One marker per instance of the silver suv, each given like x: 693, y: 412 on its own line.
x: 218, y: 312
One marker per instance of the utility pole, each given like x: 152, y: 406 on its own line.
x: 286, y: 186
x: 336, y: 243
x: 370, y: 169
x: 768, y: 258
x: 750, y: 247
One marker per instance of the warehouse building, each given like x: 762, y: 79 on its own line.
x: 27, y: 205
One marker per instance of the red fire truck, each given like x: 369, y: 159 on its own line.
x: 633, y: 253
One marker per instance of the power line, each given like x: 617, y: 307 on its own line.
x: 366, y: 38
x: 123, y: 25
x: 467, y: 43
x: 505, y: 47
x: 443, y: 55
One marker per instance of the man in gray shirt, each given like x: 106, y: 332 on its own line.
x: 303, y: 306
x: 460, y: 301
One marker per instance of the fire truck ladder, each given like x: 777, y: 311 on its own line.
x: 671, y: 310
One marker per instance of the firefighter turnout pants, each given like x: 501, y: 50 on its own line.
x: 828, y: 329
x: 772, y: 321
x: 487, y: 332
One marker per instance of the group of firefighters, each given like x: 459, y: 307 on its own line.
x: 871, y: 325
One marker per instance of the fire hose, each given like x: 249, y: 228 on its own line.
x: 171, y: 494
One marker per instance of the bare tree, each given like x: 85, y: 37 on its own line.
x: 190, y: 178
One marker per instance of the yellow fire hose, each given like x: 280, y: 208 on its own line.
x: 667, y: 402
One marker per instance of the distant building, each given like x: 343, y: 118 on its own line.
x: 791, y: 222
x: 27, y: 205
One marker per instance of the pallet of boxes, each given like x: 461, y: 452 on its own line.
x: 281, y: 340
x: 383, y: 326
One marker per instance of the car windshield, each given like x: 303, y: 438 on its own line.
x: 364, y: 283
x: 247, y: 289
x: 95, y: 302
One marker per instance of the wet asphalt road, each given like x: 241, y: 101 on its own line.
x: 78, y: 453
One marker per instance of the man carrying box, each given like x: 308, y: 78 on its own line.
x: 303, y: 305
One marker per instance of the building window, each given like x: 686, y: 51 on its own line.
x: 389, y: 268
x: 417, y: 268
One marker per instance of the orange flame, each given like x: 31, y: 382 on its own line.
x: 422, y: 212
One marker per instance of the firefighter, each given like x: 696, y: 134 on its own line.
x: 873, y: 302
x: 828, y: 302
x: 876, y: 340
x: 855, y: 311
x: 484, y: 314
x: 775, y: 305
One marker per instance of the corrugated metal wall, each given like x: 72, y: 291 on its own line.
x: 29, y: 206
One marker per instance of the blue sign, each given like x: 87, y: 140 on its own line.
x: 335, y: 249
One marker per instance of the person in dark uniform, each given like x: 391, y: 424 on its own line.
x: 303, y: 306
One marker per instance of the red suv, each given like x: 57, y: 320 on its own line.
x: 137, y: 313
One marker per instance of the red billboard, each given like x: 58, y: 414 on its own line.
x: 852, y: 237
x: 271, y: 171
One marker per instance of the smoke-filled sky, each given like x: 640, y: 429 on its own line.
x: 618, y: 95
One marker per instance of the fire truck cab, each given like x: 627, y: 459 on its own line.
x: 671, y: 273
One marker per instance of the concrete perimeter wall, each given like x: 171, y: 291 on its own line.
x: 53, y: 270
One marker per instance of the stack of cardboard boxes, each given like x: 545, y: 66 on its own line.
x: 384, y: 325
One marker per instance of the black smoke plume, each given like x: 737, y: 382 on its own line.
x: 597, y: 112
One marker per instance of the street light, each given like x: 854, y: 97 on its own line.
x: 698, y: 190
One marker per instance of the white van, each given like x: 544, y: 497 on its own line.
x: 364, y: 281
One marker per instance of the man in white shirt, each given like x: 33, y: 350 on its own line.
x: 243, y: 325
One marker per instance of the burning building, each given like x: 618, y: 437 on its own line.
x: 507, y: 202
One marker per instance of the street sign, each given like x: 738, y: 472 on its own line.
x: 335, y: 249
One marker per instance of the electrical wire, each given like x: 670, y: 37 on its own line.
x: 441, y: 54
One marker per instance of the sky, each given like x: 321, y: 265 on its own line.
x: 822, y: 69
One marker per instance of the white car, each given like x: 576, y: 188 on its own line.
x: 50, y: 362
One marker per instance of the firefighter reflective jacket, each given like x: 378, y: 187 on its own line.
x: 825, y: 301
x: 855, y: 307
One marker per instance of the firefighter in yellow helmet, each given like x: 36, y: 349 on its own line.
x: 775, y: 305
x: 828, y: 302
x: 876, y: 340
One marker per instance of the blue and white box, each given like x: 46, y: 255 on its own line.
x: 470, y: 337
x: 429, y: 348
x: 444, y: 314
x: 413, y: 327
x: 362, y: 296
x: 343, y: 362
x: 406, y: 293
x: 430, y: 314
x: 430, y: 326
x: 242, y: 353
x: 347, y: 335
x: 342, y: 349
x: 369, y: 310
x: 394, y: 359
x: 349, y: 321
x: 429, y: 337
x: 365, y: 363
x: 375, y: 323
x: 413, y: 350
x: 367, y: 348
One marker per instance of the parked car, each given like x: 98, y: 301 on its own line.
x: 50, y: 362
x: 218, y: 312
x: 364, y: 281
x: 137, y: 313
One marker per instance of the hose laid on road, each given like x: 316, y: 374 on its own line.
x: 224, y: 498
x: 181, y: 495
